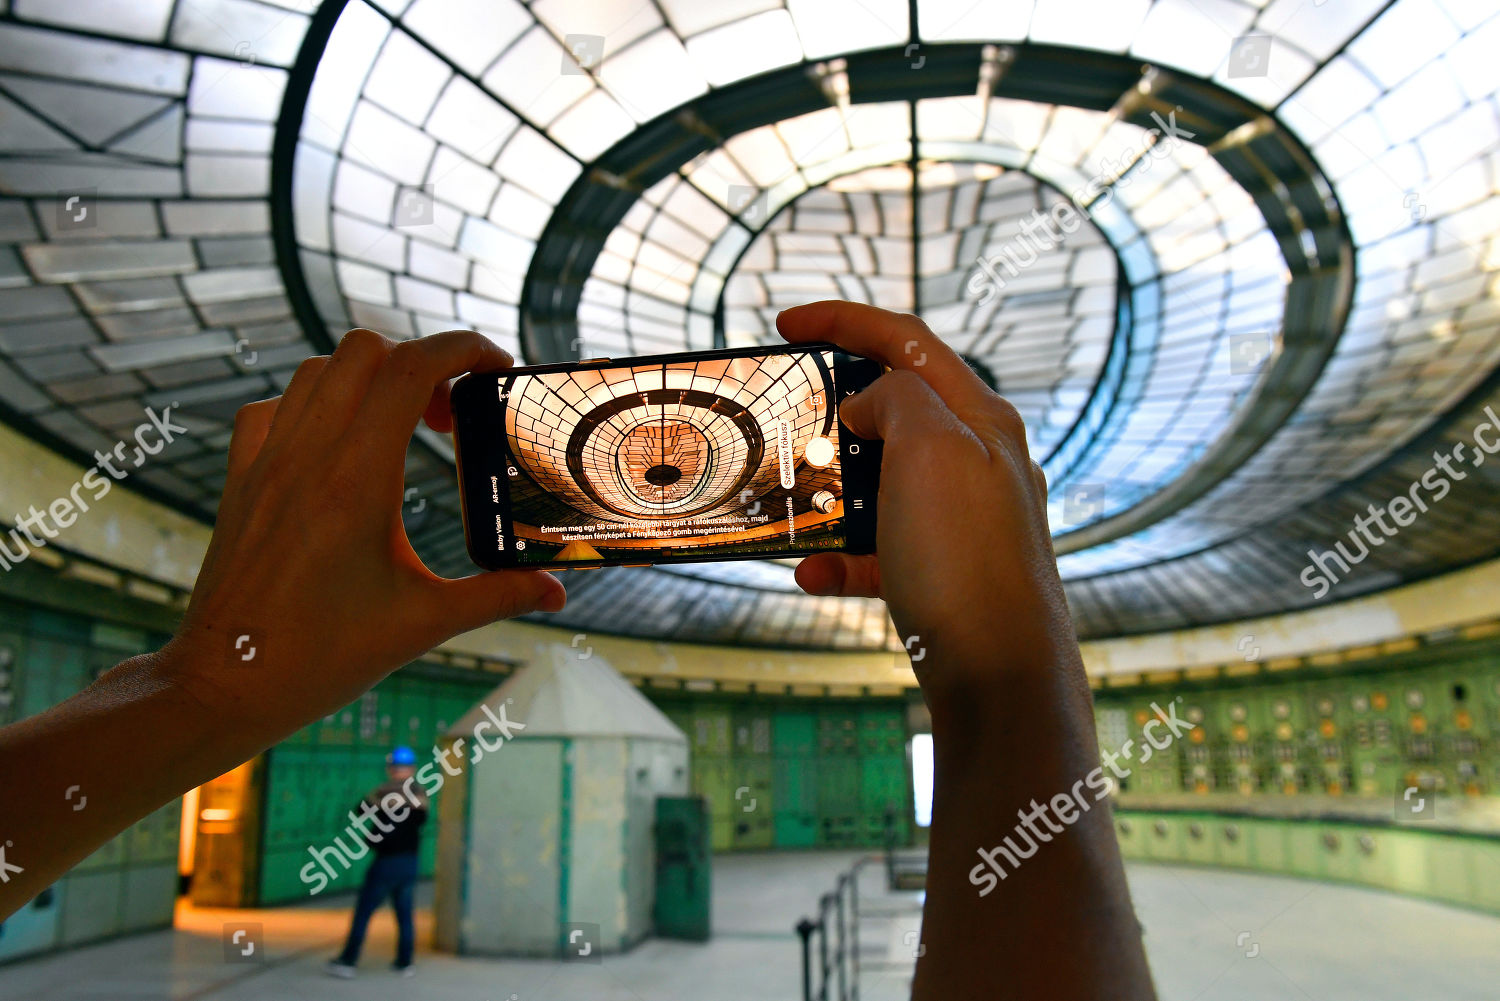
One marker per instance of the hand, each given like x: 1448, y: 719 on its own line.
x: 964, y: 556
x: 965, y: 561
x: 310, y: 559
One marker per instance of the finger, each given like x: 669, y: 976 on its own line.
x: 294, y: 401
x: 1039, y: 478
x: 900, y: 407
x: 840, y: 574
x: 458, y: 606
x: 343, y: 384
x: 439, y: 412
x: 898, y: 340
x: 403, y: 389
x: 252, y: 423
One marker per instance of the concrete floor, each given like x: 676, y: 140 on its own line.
x: 1212, y: 936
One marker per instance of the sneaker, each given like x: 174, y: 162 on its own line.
x: 341, y: 970
x: 406, y: 971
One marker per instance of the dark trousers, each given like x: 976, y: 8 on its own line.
x: 391, y: 876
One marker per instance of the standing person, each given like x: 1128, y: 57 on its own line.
x: 395, y: 834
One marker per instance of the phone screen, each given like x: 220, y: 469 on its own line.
x: 673, y: 458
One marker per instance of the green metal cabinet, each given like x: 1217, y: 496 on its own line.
x: 1196, y: 840
x: 794, y: 786
x: 1454, y: 868
x: 751, y: 733
x: 279, y: 879
x: 714, y: 780
x: 59, y: 625
x: 883, y: 784
x: 287, y: 796
x: 711, y: 730
x: 753, y: 809
x: 794, y: 733
x: 53, y: 670
x: 1450, y: 869
x: 838, y: 785
x: 1231, y: 842
x: 838, y: 731
x: 795, y: 830
x: 338, y: 727
x: 1485, y: 855
x: 449, y: 706
x: 882, y: 730
x: 412, y: 711
x: 1129, y: 831
x: 1372, y: 860
x: 1338, y: 851
x: 1163, y: 838
x: 683, y: 868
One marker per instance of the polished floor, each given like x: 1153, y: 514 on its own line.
x: 1212, y: 936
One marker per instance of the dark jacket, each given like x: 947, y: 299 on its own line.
x: 405, y: 834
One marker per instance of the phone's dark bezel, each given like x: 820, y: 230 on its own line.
x: 475, y: 413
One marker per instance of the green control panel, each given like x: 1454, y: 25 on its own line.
x: 1426, y: 721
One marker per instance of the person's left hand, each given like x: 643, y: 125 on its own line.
x: 311, y: 592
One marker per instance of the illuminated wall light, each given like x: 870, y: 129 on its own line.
x: 216, y: 815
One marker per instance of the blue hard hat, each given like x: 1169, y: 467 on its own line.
x: 401, y: 755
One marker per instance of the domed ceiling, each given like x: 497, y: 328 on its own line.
x: 1235, y: 262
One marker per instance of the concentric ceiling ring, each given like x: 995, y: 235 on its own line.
x: 876, y: 75
x: 1245, y: 141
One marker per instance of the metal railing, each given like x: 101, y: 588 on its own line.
x: 834, y: 958
x: 903, y: 872
x: 837, y: 931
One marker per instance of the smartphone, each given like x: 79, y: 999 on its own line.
x: 680, y: 458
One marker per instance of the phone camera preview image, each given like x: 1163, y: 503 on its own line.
x: 697, y: 459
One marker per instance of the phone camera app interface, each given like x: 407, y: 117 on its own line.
x: 702, y: 458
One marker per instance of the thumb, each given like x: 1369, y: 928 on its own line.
x: 458, y: 606
x: 840, y: 574
x: 896, y: 406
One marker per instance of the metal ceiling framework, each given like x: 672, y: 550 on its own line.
x: 1387, y: 345
x: 1297, y: 201
x: 979, y: 201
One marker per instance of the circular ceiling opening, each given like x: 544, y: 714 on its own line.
x: 1030, y: 303
x: 664, y: 461
x: 663, y: 476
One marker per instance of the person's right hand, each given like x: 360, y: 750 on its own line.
x: 310, y: 561
x: 964, y: 555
